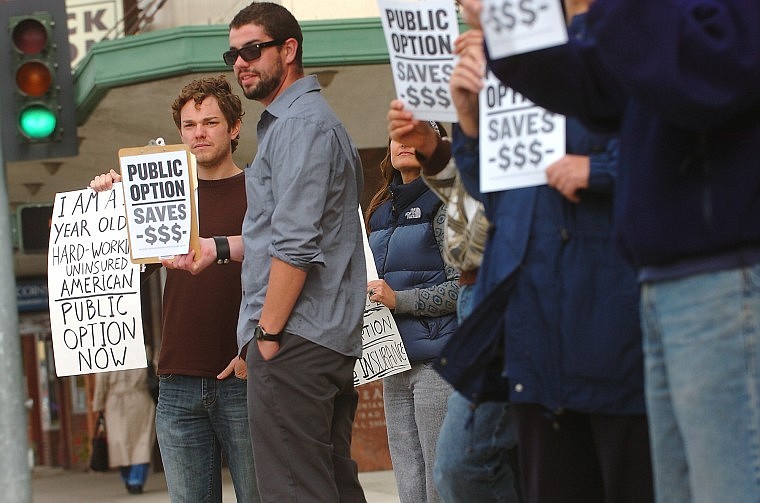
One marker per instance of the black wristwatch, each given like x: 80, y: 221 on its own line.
x: 261, y: 335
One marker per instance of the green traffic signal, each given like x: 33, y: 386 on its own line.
x: 37, y: 122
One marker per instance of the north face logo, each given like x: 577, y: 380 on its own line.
x: 413, y: 213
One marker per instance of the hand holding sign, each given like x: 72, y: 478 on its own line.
x: 159, y: 191
x: 420, y: 39
x: 95, y: 314
x: 468, y: 79
x: 518, y: 139
x: 383, y: 352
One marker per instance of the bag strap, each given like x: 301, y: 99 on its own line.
x: 100, y: 424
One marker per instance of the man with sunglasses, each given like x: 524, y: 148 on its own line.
x: 303, y: 274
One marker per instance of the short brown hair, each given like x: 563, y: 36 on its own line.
x: 218, y: 87
x: 276, y: 21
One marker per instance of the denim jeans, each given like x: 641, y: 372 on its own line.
x: 472, y: 460
x: 702, y: 357
x: 415, y: 405
x: 135, y: 475
x: 197, y: 419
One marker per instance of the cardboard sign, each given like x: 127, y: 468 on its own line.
x: 93, y: 287
x: 420, y: 37
x: 160, y: 194
x: 518, y: 140
x: 383, y: 352
x: 516, y: 26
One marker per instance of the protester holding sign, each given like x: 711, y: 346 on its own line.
x: 476, y: 454
x: 681, y: 81
x: 556, y: 317
x: 405, y: 223
x: 202, y: 409
x: 304, y: 273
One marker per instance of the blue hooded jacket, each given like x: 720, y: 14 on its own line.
x: 556, y: 321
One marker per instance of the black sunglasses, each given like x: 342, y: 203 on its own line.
x: 249, y: 52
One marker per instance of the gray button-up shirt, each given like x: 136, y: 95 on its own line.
x: 303, y: 190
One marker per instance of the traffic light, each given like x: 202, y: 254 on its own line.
x: 37, y: 106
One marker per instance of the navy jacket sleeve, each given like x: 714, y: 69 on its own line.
x: 568, y: 79
x: 604, y: 168
x: 695, y: 62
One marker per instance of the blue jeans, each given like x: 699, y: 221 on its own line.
x: 702, y: 357
x: 472, y: 462
x: 196, y: 419
x: 135, y: 475
x: 415, y: 404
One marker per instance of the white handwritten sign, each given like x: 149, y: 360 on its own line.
x: 516, y: 26
x: 420, y: 37
x: 518, y: 140
x: 158, y: 192
x: 383, y: 352
x: 94, y: 289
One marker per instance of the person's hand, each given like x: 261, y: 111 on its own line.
x: 105, y: 181
x: 188, y: 262
x: 568, y: 175
x: 236, y: 365
x: 379, y: 291
x: 467, y: 80
x: 405, y: 129
x: 470, y: 11
x: 268, y: 349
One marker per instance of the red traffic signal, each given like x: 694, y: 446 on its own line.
x: 30, y: 36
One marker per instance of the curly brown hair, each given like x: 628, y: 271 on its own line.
x: 218, y: 87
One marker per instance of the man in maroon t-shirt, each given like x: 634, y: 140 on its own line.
x: 202, y: 408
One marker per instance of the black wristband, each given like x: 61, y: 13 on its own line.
x: 222, y: 250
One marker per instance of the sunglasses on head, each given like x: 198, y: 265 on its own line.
x: 249, y: 52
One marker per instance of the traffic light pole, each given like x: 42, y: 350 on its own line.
x: 15, y: 474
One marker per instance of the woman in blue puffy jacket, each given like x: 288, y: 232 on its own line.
x: 405, y: 221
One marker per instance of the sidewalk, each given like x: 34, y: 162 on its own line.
x: 53, y: 485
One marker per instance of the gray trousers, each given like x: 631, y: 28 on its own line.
x: 301, y: 407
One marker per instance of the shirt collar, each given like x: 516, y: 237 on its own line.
x: 283, y: 102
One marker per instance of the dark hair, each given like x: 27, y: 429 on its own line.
x: 218, y: 87
x: 388, y: 173
x: 275, y: 20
